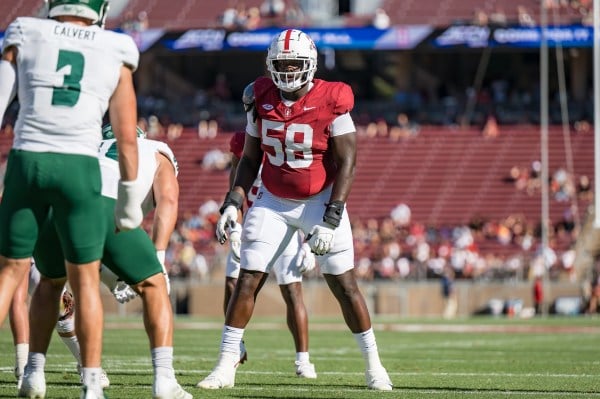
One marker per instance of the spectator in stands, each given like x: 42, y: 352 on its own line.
x: 524, y: 17
x: 294, y: 15
x: 229, y: 18
x: 155, y: 128
x: 490, y: 129
x: 383, y: 130
x: 174, y: 131
x: 208, y: 129
x: 272, y: 8
x: 584, y: 190
x: 381, y: 20
x: 404, y: 128
x: 142, y: 21
x: 498, y: 17
x: 561, y: 185
x: 216, y: 159
x: 401, y: 214
x: 254, y: 20
x: 480, y: 18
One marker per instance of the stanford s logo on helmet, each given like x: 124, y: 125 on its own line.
x: 94, y: 10
x: 294, y: 45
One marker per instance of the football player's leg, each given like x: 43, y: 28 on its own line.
x: 337, y: 267
x: 21, y: 210
x: 19, y: 326
x: 265, y: 231
x: 290, y: 285
x: 132, y: 257
x: 232, y: 272
x: 79, y: 218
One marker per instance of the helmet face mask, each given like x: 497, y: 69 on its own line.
x: 94, y: 10
x: 292, y: 60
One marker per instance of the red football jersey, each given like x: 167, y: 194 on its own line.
x: 298, y: 162
x: 236, y: 147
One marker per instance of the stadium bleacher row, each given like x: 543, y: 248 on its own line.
x: 447, y: 177
x: 187, y: 14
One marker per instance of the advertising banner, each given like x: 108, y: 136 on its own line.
x: 404, y: 37
x: 471, y: 36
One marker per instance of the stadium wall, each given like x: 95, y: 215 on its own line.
x: 400, y: 299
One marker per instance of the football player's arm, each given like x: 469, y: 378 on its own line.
x: 247, y: 168
x: 234, y: 164
x: 166, y: 194
x: 344, y: 154
x: 123, y: 118
x: 8, y: 79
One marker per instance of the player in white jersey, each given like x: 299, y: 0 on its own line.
x: 67, y: 72
x: 132, y: 256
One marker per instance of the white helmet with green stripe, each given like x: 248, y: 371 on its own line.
x: 94, y: 10
x: 108, y: 134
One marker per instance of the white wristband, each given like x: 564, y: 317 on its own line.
x: 161, y: 256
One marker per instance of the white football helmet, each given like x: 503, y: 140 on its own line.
x: 94, y: 10
x: 292, y: 44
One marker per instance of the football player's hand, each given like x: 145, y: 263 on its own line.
x: 235, y: 240
x: 229, y: 215
x: 305, y: 261
x: 128, y: 208
x: 161, y: 258
x: 123, y: 292
x: 320, y: 239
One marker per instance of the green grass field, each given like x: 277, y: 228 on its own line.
x: 468, y: 358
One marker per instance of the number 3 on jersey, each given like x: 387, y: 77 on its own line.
x: 71, y: 63
x: 287, y: 150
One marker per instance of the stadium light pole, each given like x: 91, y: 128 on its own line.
x: 544, y: 147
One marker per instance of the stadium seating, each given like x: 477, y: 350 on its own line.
x: 187, y: 14
x: 447, y: 177
x: 448, y: 12
x: 9, y: 10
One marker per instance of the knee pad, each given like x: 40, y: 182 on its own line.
x: 65, y: 326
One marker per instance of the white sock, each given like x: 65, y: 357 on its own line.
x: 91, y: 379
x: 36, y: 361
x: 73, y: 344
x: 368, y: 346
x: 302, y: 357
x: 21, y: 353
x: 162, y: 361
x: 230, y: 343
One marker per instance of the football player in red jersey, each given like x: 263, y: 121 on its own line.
x: 295, y: 260
x: 303, y: 128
